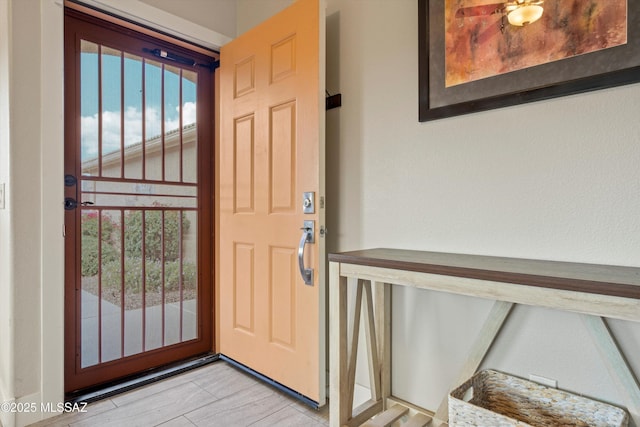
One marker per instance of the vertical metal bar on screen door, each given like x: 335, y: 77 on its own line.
x: 162, y: 127
x: 144, y: 132
x: 181, y: 127
x: 99, y: 285
x: 144, y: 274
x: 99, y: 111
x: 122, y: 279
x: 164, y: 260
x: 122, y: 115
x: 180, y: 231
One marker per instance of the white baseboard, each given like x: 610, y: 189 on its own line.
x: 24, y: 411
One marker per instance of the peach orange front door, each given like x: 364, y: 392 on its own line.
x: 271, y: 152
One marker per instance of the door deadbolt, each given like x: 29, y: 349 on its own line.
x: 308, y: 202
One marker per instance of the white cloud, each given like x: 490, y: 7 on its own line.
x: 189, y: 113
x: 111, y: 128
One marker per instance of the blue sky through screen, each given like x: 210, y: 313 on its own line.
x: 111, y: 101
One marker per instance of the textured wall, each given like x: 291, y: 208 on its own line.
x: 24, y: 202
x: 252, y: 12
x: 6, y: 301
x: 216, y: 15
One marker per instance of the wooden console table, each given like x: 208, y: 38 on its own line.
x: 595, y: 291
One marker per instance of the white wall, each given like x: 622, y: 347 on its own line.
x: 252, y: 12
x: 477, y: 184
x: 51, y: 195
x: 178, y: 21
x: 6, y: 291
x: 24, y: 203
x: 216, y: 15
x: 24, y: 212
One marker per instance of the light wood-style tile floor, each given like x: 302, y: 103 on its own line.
x: 214, y: 395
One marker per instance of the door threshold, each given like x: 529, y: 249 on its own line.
x: 130, y: 383
x: 284, y: 389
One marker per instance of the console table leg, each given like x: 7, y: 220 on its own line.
x: 339, y: 408
x: 352, y: 349
x: 479, y: 350
x: 382, y: 298
x: 618, y: 367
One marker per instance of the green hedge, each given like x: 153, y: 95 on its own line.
x: 153, y: 234
x: 112, y: 273
x: 90, y: 261
x: 154, y: 254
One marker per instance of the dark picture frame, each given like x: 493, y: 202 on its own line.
x: 601, y: 69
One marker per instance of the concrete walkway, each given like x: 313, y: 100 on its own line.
x: 133, y: 331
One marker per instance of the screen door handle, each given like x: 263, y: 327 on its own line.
x: 70, y: 203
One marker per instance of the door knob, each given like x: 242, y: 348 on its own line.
x: 70, y: 204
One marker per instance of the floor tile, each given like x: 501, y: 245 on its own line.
x: 151, y: 389
x: 63, y: 420
x: 217, y: 394
x: 320, y: 415
x: 240, y: 409
x: 177, y: 422
x: 223, y: 379
x: 152, y: 410
x: 288, y: 416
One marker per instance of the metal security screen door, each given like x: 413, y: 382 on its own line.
x: 138, y: 188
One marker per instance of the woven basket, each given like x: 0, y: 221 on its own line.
x: 493, y: 399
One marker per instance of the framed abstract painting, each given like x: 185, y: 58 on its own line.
x: 477, y: 55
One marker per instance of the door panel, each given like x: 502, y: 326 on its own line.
x: 138, y: 245
x: 271, y: 151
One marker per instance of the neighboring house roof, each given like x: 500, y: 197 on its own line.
x: 151, y: 145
